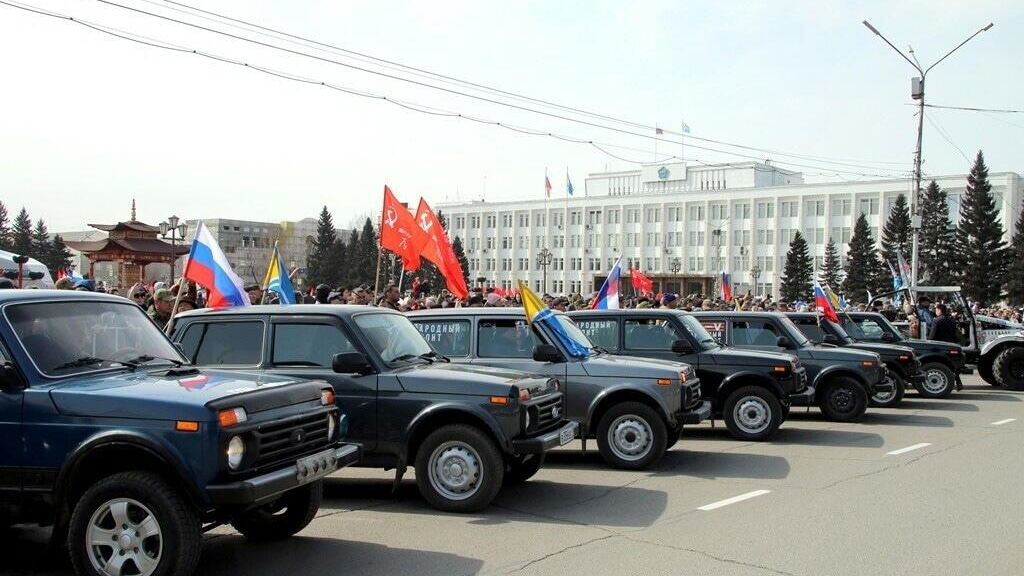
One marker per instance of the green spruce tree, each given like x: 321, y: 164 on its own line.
x: 337, y: 263
x: 21, y: 234
x: 1015, y: 267
x: 369, y: 246
x: 318, y: 263
x: 897, y: 234
x: 5, y: 228
x: 60, y: 256
x: 937, y: 242
x: 41, y: 246
x: 460, y: 255
x: 831, y: 273
x: 798, y: 274
x: 864, y: 269
x: 980, y: 249
x: 352, y: 274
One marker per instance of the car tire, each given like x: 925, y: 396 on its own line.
x: 985, y: 371
x: 459, y: 469
x: 631, y: 436
x: 286, y: 516
x: 842, y: 399
x: 1009, y: 368
x: 939, y: 381
x: 785, y: 414
x: 890, y: 399
x: 674, y: 434
x: 151, y: 526
x: 522, y: 468
x: 752, y: 413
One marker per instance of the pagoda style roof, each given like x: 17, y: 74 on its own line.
x: 129, y: 225
x: 135, y: 245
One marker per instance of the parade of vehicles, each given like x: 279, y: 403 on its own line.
x: 843, y: 379
x: 467, y: 430
x: 750, y: 390
x: 999, y: 358
x: 941, y: 362
x: 634, y: 408
x: 901, y: 362
x: 108, y: 436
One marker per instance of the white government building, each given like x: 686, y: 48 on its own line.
x: 674, y: 222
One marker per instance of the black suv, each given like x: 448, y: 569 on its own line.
x: 843, y: 379
x: 466, y: 429
x: 748, y: 389
x: 941, y: 362
x: 901, y: 362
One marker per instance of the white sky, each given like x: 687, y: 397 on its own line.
x: 91, y: 121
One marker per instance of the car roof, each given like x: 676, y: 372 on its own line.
x: 735, y: 314
x: 341, y: 310
x: 628, y: 311
x: 468, y: 311
x: 32, y: 295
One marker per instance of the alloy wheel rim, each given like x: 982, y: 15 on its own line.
x: 124, y: 539
x: 456, y: 471
x: 752, y: 414
x: 630, y: 437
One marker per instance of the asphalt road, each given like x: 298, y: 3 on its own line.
x: 933, y: 487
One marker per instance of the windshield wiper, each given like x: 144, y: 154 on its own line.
x: 432, y: 355
x: 600, y: 349
x: 405, y: 357
x: 90, y: 360
x: 149, y: 358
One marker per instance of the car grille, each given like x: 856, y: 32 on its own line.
x: 282, y: 441
x: 691, y: 394
x: 546, y: 412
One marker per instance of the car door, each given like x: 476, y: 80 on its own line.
x: 304, y: 347
x: 11, y: 431
x: 756, y: 333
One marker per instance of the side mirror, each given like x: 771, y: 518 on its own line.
x: 887, y: 337
x: 547, y: 353
x: 831, y: 339
x: 351, y: 363
x: 9, y: 378
x: 784, y: 342
x: 682, y: 347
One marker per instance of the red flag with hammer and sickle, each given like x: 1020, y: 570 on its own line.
x: 399, y: 232
x: 439, y: 251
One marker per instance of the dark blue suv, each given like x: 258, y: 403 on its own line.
x: 107, y: 434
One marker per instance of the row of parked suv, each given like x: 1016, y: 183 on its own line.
x: 131, y: 446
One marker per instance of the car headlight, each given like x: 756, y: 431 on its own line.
x: 236, y: 452
x: 332, y: 427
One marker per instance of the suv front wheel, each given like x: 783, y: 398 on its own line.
x: 631, y: 436
x: 843, y: 399
x: 752, y: 413
x: 892, y: 397
x: 133, y: 523
x: 939, y: 381
x: 459, y: 469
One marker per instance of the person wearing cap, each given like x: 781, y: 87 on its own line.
x: 335, y: 298
x: 163, y: 304
x: 255, y: 292
x: 670, y: 300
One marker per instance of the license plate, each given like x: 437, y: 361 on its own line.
x: 315, y: 466
x: 566, y: 435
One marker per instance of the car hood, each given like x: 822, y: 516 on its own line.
x: 474, y: 380
x: 743, y: 357
x: 886, y: 351
x: 930, y: 345
x: 613, y: 366
x: 157, y: 395
x: 840, y: 354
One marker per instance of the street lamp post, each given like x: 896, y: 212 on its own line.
x: 755, y: 273
x: 177, y: 232
x: 716, y: 243
x: 917, y: 93
x: 675, y: 265
x: 544, y: 259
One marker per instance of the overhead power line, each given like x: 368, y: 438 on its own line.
x: 870, y: 165
x: 970, y: 109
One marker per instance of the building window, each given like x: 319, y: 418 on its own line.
x: 632, y: 215
x: 593, y: 217
x: 788, y: 209
x: 490, y: 242
x: 575, y: 241
x: 632, y: 239
x: 696, y: 238
x: 613, y: 217
x: 492, y: 220
x: 766, y: 237
x: 765, y: 210
x: 539, y: 219
x: 574, y: 217
x: 613, y: 240
x: 741, y: 237
x: 506, y: 220
x: 814, y: 208
x: 558, y: 219
x: 869, y: 206
x: 675, y: 214
x: 719, y: 212
x: 741, y: 211
x: 696, y: 213
x: 696, y: 264
x: 842, y: 207
x: 524, y: 220
x: 653, y: 239
x: 653, y: 215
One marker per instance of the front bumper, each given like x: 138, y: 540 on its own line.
x: 695, y: 415
x: 883, y: 384
x: 546, y: 441
x: 918, y: 377
x: 264, y: 488
x: 804, y: 397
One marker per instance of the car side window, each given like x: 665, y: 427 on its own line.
x: 603, y: 333
x: 308, y: 344
x: 446, y: 337
x: 505, y: 339
x: 226, y: 343
x: 650, y: 334
x: 754, y: 333
x: 810, y: 328
x: 716, y: 328
x: 871, y: 329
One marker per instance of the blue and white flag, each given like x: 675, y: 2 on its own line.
x: 568, y: 183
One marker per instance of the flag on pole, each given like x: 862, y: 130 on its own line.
x: 277, y: 279
x: 538, y: 313
x: 822, y: 302
x: 686, y: 128
x: 547, y: 185
x: 641, y: 283
x: 439, y: 251
x: 904, y: 270
x: 399, y: 232
x: 658, y: 130
x: 208, y: 267
x: 833, y: 298
x: 608, y: 297
x: 726, y: 287
x: 568, y: 183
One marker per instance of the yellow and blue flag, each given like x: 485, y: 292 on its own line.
x: 538, y: 313
x: 277, y: 279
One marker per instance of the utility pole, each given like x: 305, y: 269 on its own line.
x: 917, y: 93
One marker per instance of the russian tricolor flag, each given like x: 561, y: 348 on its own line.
x: 608, y: 297
x: 208, y: 267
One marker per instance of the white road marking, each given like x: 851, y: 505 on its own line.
x: 734, y: 500
x: 1001, y: 422
x: 908, y: 449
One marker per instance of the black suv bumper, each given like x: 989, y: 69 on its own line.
x: 804, y: 397
x: 544, y: 442
x: 695, y: 415
x: 264, y: 488
x: 883, y: 384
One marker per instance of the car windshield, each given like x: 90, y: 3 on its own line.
x: 393, y: 337
x: 67, y: 338
x: 840, y: 333
x: 795, y: 334
x: 702, y: 336
x: 574, y: 331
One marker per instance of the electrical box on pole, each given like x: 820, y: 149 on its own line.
x: 916, y: 88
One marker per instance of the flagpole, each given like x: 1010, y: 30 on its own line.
x: 174, y: 310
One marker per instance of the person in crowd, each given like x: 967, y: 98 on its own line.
x: 323, y: 291
x: 391, y: 297
x: 163, y: 303
x: 924, y: 315
x: 335, y: 298
x: 255, y: 292
x: 943, y: 328
x: 138, y: 295
x: 670, y: 301
x: 185, y: 305
x: 64, y: 283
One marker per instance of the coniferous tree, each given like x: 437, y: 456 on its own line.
x: 937, y: 242
x: 353, y: 275
x: 1015, y: 266
x: 831, y: 269
x: 798, y: 274
x: 981, y: 251
x: 367, y: 253
x: 337, y: 263
x: 41, y: 246
x: 60, y: 256
x: 897, y: 234
x: 21, y: 234
x: 864, y: 269
x: 5, y: 228
x: 318, y: 263
x: 460, y: 255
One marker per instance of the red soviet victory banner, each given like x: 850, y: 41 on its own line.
x: 439, y: 251
x: 399, y: 232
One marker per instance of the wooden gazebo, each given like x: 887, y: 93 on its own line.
x: 132, y: 245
